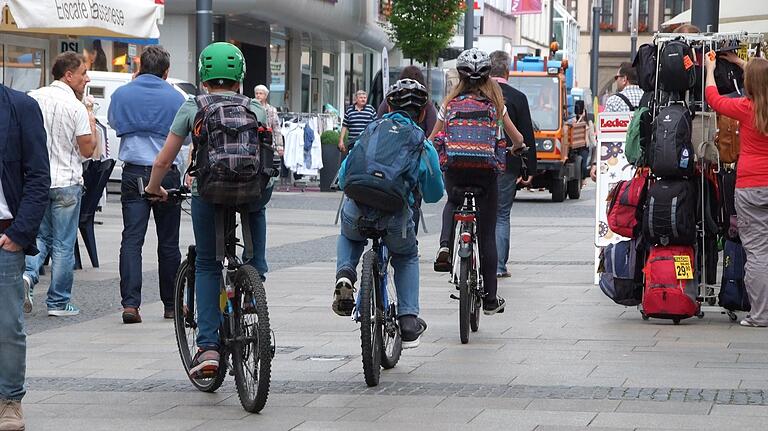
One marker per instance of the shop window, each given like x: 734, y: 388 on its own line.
x: 672, y: 8
x: 643, y: 16
x: 329, y: 79
x: 306, y: 78
x: 22, y: 67
x: 606, y: 16
x: 278, y: 73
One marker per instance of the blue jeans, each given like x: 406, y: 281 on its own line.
x: 208, y: 269
x: 136, y: 211
x: 13, y: 340
x: 404, y: 253
x: 258, y: 219
x: 58, y: 232
x: 507, y: 192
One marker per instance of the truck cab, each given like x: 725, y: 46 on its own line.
x: 547, y: 85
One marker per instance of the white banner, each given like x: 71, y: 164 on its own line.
x: 384, y: 71
x: 612, y: 167
x: 117, y: 18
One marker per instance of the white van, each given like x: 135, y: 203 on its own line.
x: 101, y: 87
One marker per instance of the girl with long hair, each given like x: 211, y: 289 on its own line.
x: 751, y: 175
x: 474, y: 68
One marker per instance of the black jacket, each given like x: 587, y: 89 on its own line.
x: 24, y: 166
x: 520, y: 114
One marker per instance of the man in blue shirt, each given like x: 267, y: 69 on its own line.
x: 24, y: 182
x: 141, y: 112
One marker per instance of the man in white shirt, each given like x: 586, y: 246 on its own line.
x: 71, y: 138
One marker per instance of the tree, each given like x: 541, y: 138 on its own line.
x: 423, y: 28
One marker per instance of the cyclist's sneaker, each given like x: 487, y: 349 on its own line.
x: 503, y: 274
x: 494, y: 306
x: 28, y: 300
x: 67, y: 310
x: 131, y: 315
x: 168, y: 313
x: 343, y: 297
x: 205, y: 364
x: 443, y: 260
x: 411, y: 328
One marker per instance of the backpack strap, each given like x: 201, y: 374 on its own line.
x: 626, y: 100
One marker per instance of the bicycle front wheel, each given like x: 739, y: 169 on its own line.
x: 252, y: 348
x: 465, y: 300
x: 370, y: 319
x: 185, y: 327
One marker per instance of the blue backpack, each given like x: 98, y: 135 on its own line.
x: 733, y: 293
x: 622, y: 276
x: 383, y: 167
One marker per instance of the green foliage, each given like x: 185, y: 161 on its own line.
x: 329, y: 137
x: 423, y: 28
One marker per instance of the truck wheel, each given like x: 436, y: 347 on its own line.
x: 574, y: 189
x: 558, y: 189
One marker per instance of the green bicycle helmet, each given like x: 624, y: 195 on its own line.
x: 221, y: 60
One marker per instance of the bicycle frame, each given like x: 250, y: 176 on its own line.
x: 466, y: 241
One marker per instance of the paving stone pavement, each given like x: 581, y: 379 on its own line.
x: 562, y: 357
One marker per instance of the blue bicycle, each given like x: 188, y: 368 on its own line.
x: 376, y: 308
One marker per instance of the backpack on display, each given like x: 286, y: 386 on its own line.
x: 676, y: 67
x: 670, y: 290
x: 669, y: 217
x: 729, y: 77
x: 727, y: 179
x: 233, y: 153
x: 625, y: 205
x: 622, y: 280
x: 645, y: 66
x: 727, y: 139
x: 638, y: 136
x: 671, y: 153
x: 383, y: 167
x: 473, y: 135
x: 733, y: 293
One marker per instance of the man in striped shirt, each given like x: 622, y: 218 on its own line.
x: 356, y: 118
x: 71, y: 137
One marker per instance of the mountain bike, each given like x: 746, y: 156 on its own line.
x: 246, y: 341
x: 466, y: 263
x: 376, y: 307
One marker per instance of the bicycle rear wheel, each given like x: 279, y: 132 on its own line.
x: 252, y: 348
x: 465, y: 300
x: 392, y: 343
x: 476, y: 300
x: 370, y: 319
x: 185, y: 327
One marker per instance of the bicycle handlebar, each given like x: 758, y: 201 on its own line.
x: 178, y: 194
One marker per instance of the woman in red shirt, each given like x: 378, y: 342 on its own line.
x: 752, y: 175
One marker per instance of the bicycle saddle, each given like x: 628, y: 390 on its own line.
x: 462, y: 190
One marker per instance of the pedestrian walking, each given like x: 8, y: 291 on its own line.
x: 141, y: 113
x: 751, y: 176
x: 520, y: 114
x: 23, y: 200
x: 71, y: 137
x: 356, y: 118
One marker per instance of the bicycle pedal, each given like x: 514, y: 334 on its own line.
x: 454, y: 297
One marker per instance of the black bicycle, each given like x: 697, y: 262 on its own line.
x: 247, y: 343
x: 376, y: 307
x: 466, y: 263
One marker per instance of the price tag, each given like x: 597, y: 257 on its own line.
x: 743, y: 53
x: 683, y: 268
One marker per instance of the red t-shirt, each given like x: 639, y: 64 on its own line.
x: 753, y: 154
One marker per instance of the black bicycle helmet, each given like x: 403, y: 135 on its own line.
x: 474, y: 65
x: 407, y: 94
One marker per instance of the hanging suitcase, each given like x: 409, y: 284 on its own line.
x: 670, y: 290
x: 733, y: 293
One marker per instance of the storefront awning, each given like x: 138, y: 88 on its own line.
x: 108, y: 18
x: 742, y: 15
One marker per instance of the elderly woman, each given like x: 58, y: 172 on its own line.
x: 261, y: 93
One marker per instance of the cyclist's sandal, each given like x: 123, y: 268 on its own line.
x: 343, y: 297
x: 495, y: 306
x: 443, y: 260
x: 205, y: 364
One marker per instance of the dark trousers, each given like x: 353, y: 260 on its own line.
x: 487, y: 208
x: 135, y: 221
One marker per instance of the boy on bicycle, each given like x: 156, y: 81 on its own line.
x: 222, y: 68
x: 367, y: 173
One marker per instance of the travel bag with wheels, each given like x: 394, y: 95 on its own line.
x: 671, y: 152
x: 676, y: 67
x: 622, y: 278
x: 733, y: 293
x: 670, y: 290
x: 625, y: 206
x: 669, y: 217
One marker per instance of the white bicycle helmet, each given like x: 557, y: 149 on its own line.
x: 473, y: 64
x: 407, y: 93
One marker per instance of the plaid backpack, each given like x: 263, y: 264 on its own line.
x: 232, y: 150
x: 472, y: 135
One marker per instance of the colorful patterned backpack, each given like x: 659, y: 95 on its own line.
x: 473, y: 137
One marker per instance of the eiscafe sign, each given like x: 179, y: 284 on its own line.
x: 71, y: 10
